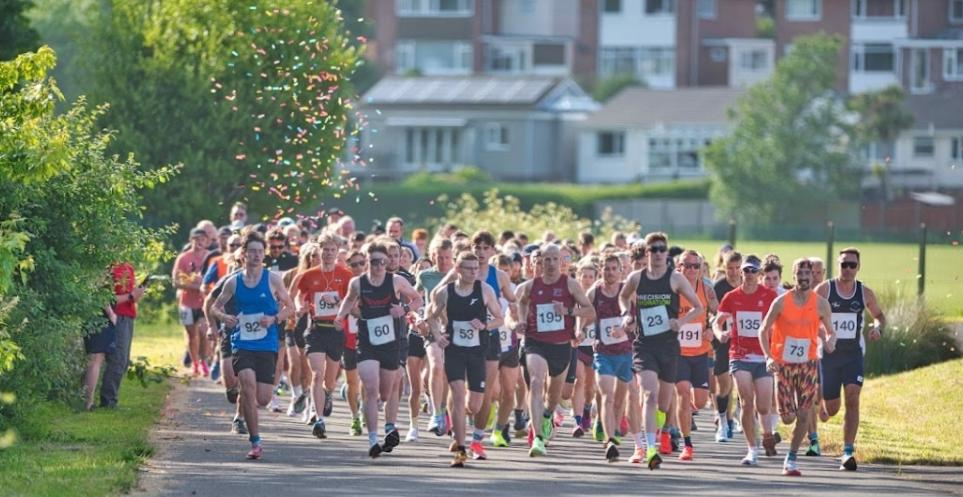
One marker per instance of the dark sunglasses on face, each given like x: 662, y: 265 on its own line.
x: 356, y: 264
x: 692, y: 266
x: 848, y: 265
x: 750, y: 270
x: 378, y: 262
x: 658, y: 248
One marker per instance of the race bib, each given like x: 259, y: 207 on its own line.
x: 655, y: 320
x: 352, y: 325
x: 748, y: 323
x: 250, y: 326
x: 796, y: 350
x: 185, y: 315
x: 381, y: 330
x: 548, y: 319
x: 844, y: 325
x: 463, y: 335
x: 505, y: 338
x: 690, y: 335
x: 590, y: 335
x: 607, y: 325
x: 323, y: 309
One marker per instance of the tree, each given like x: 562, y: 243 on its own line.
x: 788, y: 152
x: 252, y: 100
x: 68, y: 210
x: 16, y: 35
x: 610, y: 87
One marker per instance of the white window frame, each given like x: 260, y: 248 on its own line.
x: 932, y: 145
x: 618, y: 144
x: 426, y: 155
x: 859, y: 10
x: 857, y: 62
x: 432, y: 8
x: 706, y: 9
x: 406, y: 57
x: 517, y: 55
x: 748, y: 54
x: 916, y: 56
x: 813, y: 16
x: 497, y: 137
x: 955, y: 20
x: 953, y: 58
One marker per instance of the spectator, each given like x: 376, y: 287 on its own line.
x: 238, y: 216
x: 124, y: 311
x: 396, y: 230
x: 97, y: 345
x: 420, y: 239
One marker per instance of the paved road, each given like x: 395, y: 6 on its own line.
x: 196, y: 455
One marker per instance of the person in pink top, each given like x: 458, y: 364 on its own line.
x: 190, y: 299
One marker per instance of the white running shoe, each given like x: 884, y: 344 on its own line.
x: 275, y: 405
x: 412, y: 435
x: 722, y: 433
x: 751, y: 458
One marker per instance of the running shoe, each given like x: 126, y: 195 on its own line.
x: 498, y: 439
x: 638, y: 456
x: 530, y: 434
x: 319, y: 430
x: 578, y: 432
x: 548, y: 428
x: 187, y: 359
x: 412, y: 435
x: 391, y: 440
x: 343, y: 392
x: 597, y: 431
x: 558, y: 418
x: 751, y: 458
x: 328, y: 404
x: 433, y: 426
x: 813, y: 449
x: 239, y: 427
x: 459, y: 460
x: 848, y: 462
x: 538, y: 448
x: 232, y: 394
x: 492, y: 416
x: 204, y: 369
x: 769, y: 445
x: 355, y: 427
x: 611, y: 452
x: 275, y: 405
x: 375, y: 451
x: 722, y: 434
x: 789, y: 467
x: 478, y: 451
x: 216, y: 371
x: 300, y: 403
x: 687, y: 453
x: 519, y: 426
x: 652, y: 459
x: 665, y: 444
x: 255, y: 452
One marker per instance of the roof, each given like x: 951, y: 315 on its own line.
x: 941, y: 110
x: 451, y: 90
x: 643, y: 108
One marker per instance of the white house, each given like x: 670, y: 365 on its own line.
x: 652, y: 135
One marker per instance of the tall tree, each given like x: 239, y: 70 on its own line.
x: 16, y: 34
x: 788, y: 152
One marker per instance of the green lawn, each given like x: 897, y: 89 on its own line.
x: 63, y: 452
x: 907, y: 418
x: 884, y: 265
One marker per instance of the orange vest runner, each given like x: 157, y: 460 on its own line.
x: 796, y: 331
x: 692, y: 340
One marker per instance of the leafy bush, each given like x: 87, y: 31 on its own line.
x: 77, y: 209
x: 608, y: 88
x: 462, y: 176
x: 915, y: 336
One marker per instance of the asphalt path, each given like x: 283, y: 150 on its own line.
x: 195, y: 454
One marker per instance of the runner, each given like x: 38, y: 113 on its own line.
x: 612, y: 351
x: 385, y: 301
x: 547, y: 308
x: 440, y: 252
x: 229, y: 378
x: 298, y: 369
x: 262, y: 302
x: 584, y: 384
x: 790, y: 334
x: 508, y: 364
x: 188, y: 280
x: 744, y: 308
x: 842, y: 368
x: 459, y: 308
x: 321, y: 289
x: 654, y: 294
x: 720, y: 368
x: 692, y: 382
x: 349, y: 359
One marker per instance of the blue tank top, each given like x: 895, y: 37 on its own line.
x: 492, y: 280
x: 251, y: 304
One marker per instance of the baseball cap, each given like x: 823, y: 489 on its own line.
x: 531, y: 247
x: 225, y: 231
x: 751, y: 261
x: 198, y: 232
x: 285, y: 222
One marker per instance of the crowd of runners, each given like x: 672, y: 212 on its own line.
x: 492, y: 338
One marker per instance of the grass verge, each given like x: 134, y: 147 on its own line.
x: 61, y: 451
x: 907, y: 418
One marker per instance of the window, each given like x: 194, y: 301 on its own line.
x: 610, y: 144
x: 956, y: 148
x: 506, y: 59
x: 667, y: 154
x: 434, y: 7
x: 434, y: 146
x: 612, y: 6
x: 923, y: 146
x: 659, y: 7
x: 753, y: 60
x: 618, y: 60
x: 807, y: 10
x: 953, y: 63
x: 873, y: 57
x: 894, y: 9
x: 496, y: 137
x: 656, y: 61
x: 706, y: 9
x: 642, y: 62
x: 433, y: 57
x: 920, y: 71
x: 956, y: 11
x: 717, y: 54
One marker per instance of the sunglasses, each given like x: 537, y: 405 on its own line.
x: 234, y: 246
x: 381, y: 261
x: 692, y: 266
x: 356, y: 264
x: 848, y: 265
x: 658, y: 248
x: 750, y: 270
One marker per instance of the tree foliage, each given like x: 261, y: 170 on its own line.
x: 16, y: 34
x: 68, y: 210
x: 789, y: 150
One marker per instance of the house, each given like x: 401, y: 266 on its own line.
x: 652, y: 135
x: 514, y: 128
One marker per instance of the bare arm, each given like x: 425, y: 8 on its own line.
x: 765, y: 335
x: 522, y: 293
x: 494, y: 308
x: 626, y: 296
x: 218, y: 308
x: 408, y: 292
x: 826, y: 330
x: 350, y: 300
x: 879, y: 320
x: 584, y: 308
x: 711, y: 298
x: 286, y: 308
x: 436, y: 317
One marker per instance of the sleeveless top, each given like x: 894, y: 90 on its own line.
x: 608, y: 315
x: 252, y: 305
x: 543, y: 323
x: 847, y: 318
x: 692, y: 335
x: 376, y: 327
x: 461, y: 311
x: 795, y: 333
x: 656, y: 304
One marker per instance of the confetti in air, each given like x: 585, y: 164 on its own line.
x: 287, y: 82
